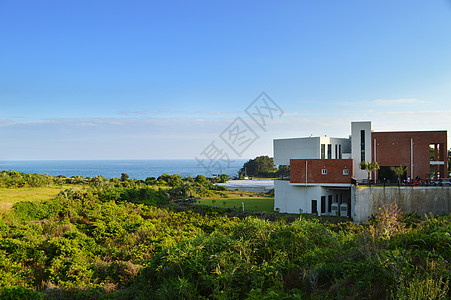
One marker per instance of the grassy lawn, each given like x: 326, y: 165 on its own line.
x: 9, y: 196
x: 261, y: 204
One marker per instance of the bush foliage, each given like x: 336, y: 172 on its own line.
x: 122, y: 240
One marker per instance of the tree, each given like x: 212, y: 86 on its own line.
x: 188, y: 179
x: 98, y: 181
x: 150, y: 180
x: 399, y: 171
x: 200, y: 179
x: 284, y: 171
x: 223, y: 178
x: 369, y: 167
x: 171, y: 180
x: 124, y: 177
x: 261, y: 165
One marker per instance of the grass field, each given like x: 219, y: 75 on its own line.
x: 261, y: 204
x: 9, y: 196
x: 252, y: 201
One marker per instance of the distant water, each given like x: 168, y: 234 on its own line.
x: 136, y: 169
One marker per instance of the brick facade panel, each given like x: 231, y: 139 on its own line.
x: 334, y: 169
x: 394, y: 149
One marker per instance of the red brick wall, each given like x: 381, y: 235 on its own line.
x: 393, y: 149
x: 314, y: 166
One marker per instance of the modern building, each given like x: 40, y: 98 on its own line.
x: 323, y: 169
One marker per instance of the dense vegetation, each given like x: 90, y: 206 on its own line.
x: 263, y: 166
x: 173, y: 185
x: 123, y: 239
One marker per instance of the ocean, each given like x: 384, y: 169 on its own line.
x: 136, y: 169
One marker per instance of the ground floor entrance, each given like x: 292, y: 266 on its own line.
x: 332, y: 199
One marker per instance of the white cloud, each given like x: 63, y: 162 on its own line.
x: 398, y: 103
x: 5, y: 122
x: 131, y: 113
x: 104, y: 138
x: 175, y: 113
x: 170, y: 137
x: 402, y: 101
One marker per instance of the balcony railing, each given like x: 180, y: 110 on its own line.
x: 403, y: 183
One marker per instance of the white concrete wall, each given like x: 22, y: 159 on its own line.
x: 297, y: 148
x: 345, y: 146
x: 422, y: 200
x: 326, y: 141
x: 306, y: 148
x: 347, y: 156
x: 290, y: 198
x: 356, y: 127
x: 365, y: 201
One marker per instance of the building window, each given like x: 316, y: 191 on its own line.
x: 324, y: 171
x: 362, y: 145
x: 345, y: 171
x: 323, y: 151
x: 314, y: 207
x: 339, y: 151
x: 336, y: 151
x: 323, y: 204
x: 329, y: 151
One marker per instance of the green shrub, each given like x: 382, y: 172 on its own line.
x: 422, y: 283
x: 26, y: 210
x: 20, y: 293
x: 146, y: 196
x: 14, y: 179
x: 12, y: 272
x: 91, y: 241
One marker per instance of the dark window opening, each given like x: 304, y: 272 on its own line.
x: 323, y: 204
x: 362, y: 145
x: 314, y: 207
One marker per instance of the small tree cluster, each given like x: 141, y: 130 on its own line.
x: 369, y: 167
x: 262, y: 166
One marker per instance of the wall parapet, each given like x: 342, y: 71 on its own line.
x: 421, y: 200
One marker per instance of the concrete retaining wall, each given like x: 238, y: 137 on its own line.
x: 422, y: 200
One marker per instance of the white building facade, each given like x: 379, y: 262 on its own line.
x: 323, y: 186
x: 323, y: 170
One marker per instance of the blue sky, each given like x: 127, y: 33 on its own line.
x: 146, y: 79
